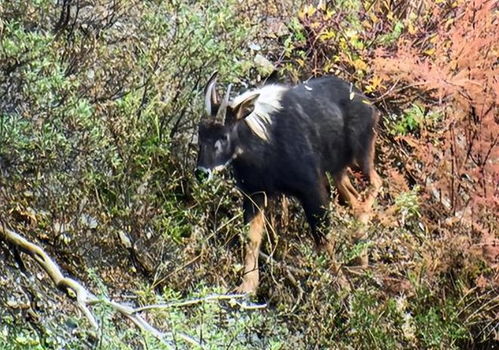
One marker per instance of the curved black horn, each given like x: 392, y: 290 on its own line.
x: 210, y: 94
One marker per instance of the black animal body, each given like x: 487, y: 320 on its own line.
x: 284, y: 140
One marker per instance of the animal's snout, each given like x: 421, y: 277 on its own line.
x: 203, y: 174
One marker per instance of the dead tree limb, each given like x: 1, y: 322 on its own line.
x: 84, y: 298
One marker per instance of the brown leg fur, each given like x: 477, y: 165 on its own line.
x: 374, y: 186
x: 346, y: 190
x: 350, y: 188
x: 363, y: 212
x: 252, y: 250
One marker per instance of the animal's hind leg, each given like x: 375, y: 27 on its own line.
x: 374, y: 187
x: 363, y: 215
x: 350, y: 187
x: 372, y: 177
x: 254, y: 214
x: 346, y: 189
x: 363, y: 212
x: 315, y: 202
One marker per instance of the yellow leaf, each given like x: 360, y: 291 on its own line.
x: 430, y: 52
x: 359, y: 64
x: 329, y: 14
x: 411, y: 28
x: 373, y: 18
x: 328, y: 34
x: 307, y: 11
x: 329, y: 67
x: 367, y: 24
x: 449, y: 22
x: 376, y: 81
x: 315, y: 25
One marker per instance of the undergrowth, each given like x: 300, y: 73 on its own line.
x: 98, y: 113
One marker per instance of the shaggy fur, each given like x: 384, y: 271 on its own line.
x: 268, y: 101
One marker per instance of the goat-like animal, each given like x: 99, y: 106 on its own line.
x: 283, y: 140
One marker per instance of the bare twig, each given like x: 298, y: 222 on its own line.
x: 290, y: 277
x: 84, y: 298
x: 231, y: 297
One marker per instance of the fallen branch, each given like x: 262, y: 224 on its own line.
x: 231, y: 297
x: 84, y: 298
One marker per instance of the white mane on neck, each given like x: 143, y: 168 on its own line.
x: 268, y: 102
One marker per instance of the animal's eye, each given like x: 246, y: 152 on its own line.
x: 218, y: 145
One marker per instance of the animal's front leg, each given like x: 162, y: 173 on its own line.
x: 253, y: 214
x: 252, y: 250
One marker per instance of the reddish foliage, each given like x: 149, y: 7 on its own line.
x: 451, y: 57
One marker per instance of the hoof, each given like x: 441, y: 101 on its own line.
x: 361, y: 261
x: 247, y: 287
x: 363, y: 216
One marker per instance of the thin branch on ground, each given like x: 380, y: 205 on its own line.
x: 215, y: 297
x: 85, y: 298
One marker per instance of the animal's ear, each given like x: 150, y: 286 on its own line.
x: 273, y: 78
x: 211, y: 99
x: 241, y: 107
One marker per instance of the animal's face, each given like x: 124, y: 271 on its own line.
x: 216, y: 148
x: 217, y: 137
